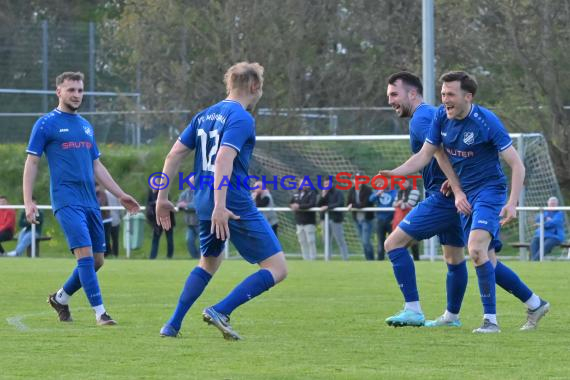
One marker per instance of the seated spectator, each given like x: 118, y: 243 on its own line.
x: 25, y: 235
x: 262, y: 198
x: 7, y: 223
x: 553, y: 231
x: 303, y: 199
x: 329, y: 199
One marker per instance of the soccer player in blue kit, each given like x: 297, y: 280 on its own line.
x: 436, y: 215
x: 73, y: 159
x: 473, y: 137
x: 223, y: 136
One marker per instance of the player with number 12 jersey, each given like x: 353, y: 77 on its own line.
x: 223, y: 137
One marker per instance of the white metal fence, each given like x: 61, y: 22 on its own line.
x: 327, y: 249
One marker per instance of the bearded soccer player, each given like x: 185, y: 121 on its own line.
x: 473, y: 138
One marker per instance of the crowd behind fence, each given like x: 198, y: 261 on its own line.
x: 431, y: 248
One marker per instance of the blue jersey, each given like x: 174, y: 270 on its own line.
x: 419, y: 128
x: 224, y: 123
x: 473, y: 146
x: 69, y: 144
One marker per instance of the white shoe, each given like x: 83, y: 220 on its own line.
x: 534, y: 316
x: 487, y: 327
x: 11, y: 254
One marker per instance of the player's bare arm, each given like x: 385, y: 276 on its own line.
x: 30, y: 173
x: 173, y: 160
x: 220, y: 215
x: 511, y: 157
x: 103, y: 176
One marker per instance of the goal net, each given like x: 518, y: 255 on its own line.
x: 314, y: 156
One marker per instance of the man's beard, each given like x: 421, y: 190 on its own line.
x: 72, y: 107
x: 406, y: 111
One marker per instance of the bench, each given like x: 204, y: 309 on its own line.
x: 38, y: 240
x: 564, y: 246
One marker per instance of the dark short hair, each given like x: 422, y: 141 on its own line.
x: 68, y: 75
x: 408, y: 79
x: 467, y: 82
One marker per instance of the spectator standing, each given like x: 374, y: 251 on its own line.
x: 304, y: 199
x: 406, y: 200
x: 360, y: 198
x: 186, y: 203
x: 112, y: 232
x: 383, y: 198
x: 331, y: 198
x: 156, y: 229
x: 262, y: 198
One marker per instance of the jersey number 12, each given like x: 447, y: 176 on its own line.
x: 207, y: 164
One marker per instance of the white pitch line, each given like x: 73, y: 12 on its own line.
x: 17, y: 322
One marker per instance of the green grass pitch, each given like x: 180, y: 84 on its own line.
x: 325, y: 321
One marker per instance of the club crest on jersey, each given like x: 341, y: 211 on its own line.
x: 469, y: 138
x: 88, y: 131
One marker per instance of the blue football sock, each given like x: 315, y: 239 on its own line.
x: 456, y: 283
x: 508, y: 280
x: 249, y: 288
x: 486, y: 278
x: 73, y: 283
x: 405, y: 273
x: 195, y: 284
x: 89, y: 282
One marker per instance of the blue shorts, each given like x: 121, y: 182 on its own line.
x: 436, y: 215
x: 253, y: 238
x: 83, y: 227
x: 486, y: 206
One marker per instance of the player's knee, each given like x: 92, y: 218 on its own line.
x: 279, y: 274
x: 477, y: 254
x: 388, y: 246
x: 453, y: 255
x: 210, y: 263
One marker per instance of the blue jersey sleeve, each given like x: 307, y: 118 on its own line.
x: 188, y: 136
x: 38, y: 138
x: 237, y: 132
x: 498, y: 134
x: 434, y: 133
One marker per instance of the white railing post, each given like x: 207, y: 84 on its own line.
x: 128, y: 233
x: 326, y: 232
x: 33, y: 241
x: 227, y: 249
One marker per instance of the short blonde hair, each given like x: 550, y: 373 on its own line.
x: 68, y: 75
x: 242, y: 75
